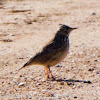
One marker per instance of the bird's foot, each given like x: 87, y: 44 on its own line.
x: 53, y: 78
x: 48, y: 78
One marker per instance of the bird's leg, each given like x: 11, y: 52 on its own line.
x: 47, y: 70
x: 51, y: 73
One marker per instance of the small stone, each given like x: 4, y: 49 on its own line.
x: 29, y: 97
x: 91, y: 69
x: 10, y: 34
x: 95, y: 60
x: 88, y: 82
x: 20, y: 76
x: 94, y: 71
x: 3, y: 82
x: 20, y: 58
x: 93, y: 13
x: 38, y: 84
x: 75, y: 97
x: 73, y: 61
x: 11, y: 72
x: 98, y: 73
x: 21, y: 84
x: 28, y: 21
x: 68, y: 83
x: 59, y: 66
x: 74, y: 87
x: 62, y: 83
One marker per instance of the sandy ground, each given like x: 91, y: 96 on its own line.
x: 28, y: 25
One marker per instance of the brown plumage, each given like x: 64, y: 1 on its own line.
x: 54, y: 52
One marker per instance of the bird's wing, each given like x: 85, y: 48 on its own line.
x: 50, y: 48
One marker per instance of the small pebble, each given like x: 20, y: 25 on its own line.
x: 62, y: 83
x: 59, y: 66
x: 28, y: 21
x: 75, y: 97
x: 21, y: 84
x: 91, y: 69
x: 73, y: 61
x: 38, y: 84
x: 20, y: 76
x: 93, y: 13
x: 95, y: 60
x: 68, y: 83
x: 98, y: 73
x: 11, y: 72
x: 88, y: 82
x: 20, y: 58
x: 74, y: 87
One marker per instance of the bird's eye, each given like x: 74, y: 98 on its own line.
x: 65, y: 29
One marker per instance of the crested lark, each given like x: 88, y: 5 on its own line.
x: 54, y: 52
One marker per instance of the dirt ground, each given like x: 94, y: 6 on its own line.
x: 28, y: 25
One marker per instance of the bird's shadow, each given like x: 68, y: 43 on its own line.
x: 69, y: 81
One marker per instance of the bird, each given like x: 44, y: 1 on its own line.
x: 54, y: 52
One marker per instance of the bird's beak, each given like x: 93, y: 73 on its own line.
x: 74, y: 28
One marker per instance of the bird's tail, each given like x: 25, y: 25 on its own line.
x: 32, y: 61
x: 26, y: 64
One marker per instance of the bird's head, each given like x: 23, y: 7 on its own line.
x: 66, y: 29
